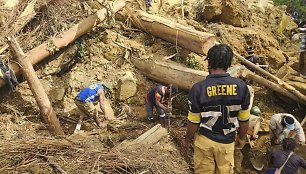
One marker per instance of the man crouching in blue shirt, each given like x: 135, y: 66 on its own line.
x: 85, y: 101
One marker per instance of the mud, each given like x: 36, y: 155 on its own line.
x: 104, y: 55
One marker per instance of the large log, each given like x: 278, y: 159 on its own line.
x: 196, y: 41
x: 170, y: 73
x: 178, y: 34
x: 289, y: 88
x: 270, y: 85
x: 37, y: 89
x: 44, y: 50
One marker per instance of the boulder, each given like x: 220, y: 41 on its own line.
x: 57, y: 94
x: 235, y: 13
x: 276, y: 57
x: 228, y: 11
x: 127, y: 86
x: 209, y: 10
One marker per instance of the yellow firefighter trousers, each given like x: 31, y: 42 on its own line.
x: 211, y: 157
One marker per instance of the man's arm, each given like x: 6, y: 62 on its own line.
x: 243, y: 118
x: 191, y: 130
x: 101, y: 100
x: 194, y: 116
x: 158, y: 103
x: 272, y: 126
x: 300, y: 132
x: 303, y: 163
x: 158, y: 99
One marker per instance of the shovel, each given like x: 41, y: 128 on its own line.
x: 256, y: 162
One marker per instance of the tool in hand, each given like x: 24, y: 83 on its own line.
x: 256, y: 162
x: 169, y: 114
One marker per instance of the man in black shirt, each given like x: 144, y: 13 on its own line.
x: 218, y: 106
x: 278, y: 158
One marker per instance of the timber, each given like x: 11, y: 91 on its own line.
x: 168, y: 72
x: 42, y: 51
x: 289, y: 88
x: 195, y: 41
x: 272, y: 86
x: 149, y: 138
x: 175, y: 33
x: 37, y: 89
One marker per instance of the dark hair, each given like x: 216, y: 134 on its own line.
x: 219, y: 56
x: 289, y: 144
x: 174, y: 88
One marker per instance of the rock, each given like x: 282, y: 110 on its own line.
x: 209, y: 10
x: 58, y: 94
x: 276, y: 57
x: 228, y: 11
x: 127, y: 86
x: 235, y: 13
x: 10, y: 3
x: 295, y: 37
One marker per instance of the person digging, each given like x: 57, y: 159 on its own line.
x: 85, y: 102
x: 157, y: 97
x: 254, y: 122
x: 282, y: 126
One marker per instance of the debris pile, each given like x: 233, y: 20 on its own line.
x: 129, y: 53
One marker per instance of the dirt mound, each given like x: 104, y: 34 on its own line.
x: 104, y: 54
x: 230, y: 12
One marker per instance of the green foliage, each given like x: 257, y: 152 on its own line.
x: 81, y: 47
x: 298, y: 5
x: 189, y: 61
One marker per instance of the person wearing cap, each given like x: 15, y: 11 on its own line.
x: 254, y: 122
x: 85, y: 102
x: 282, y: 124
x: 156, y: 97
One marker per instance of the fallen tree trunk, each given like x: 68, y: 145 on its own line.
x: 196, y: 41
x: 42, y: 51
x: 285, y: 85
x: 37, y: 89
x: 189, y: 38
x: 270, y: 85
x: 183, y: 77
x: 170, y: 73
x: 149, y: 138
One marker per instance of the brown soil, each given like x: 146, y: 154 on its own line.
x: 100, y: 55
